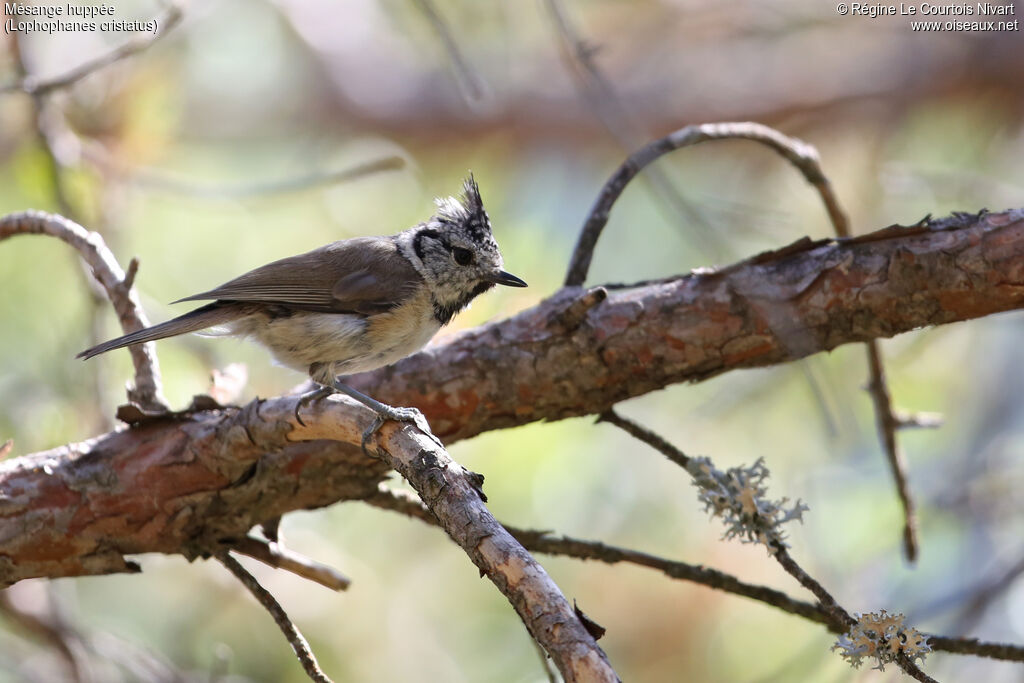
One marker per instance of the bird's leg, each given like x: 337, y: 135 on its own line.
x: 384, y: 413
x: 323, y: 374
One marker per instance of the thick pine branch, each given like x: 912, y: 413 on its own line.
x: 185, y: 483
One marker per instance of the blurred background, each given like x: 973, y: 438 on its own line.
x: 216, y: 150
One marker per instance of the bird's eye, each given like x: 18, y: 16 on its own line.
x: 462, y: 256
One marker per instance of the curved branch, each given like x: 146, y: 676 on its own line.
x: 802, y: 155
x: 148, y: 392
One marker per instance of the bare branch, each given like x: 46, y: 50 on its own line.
x: 38, y: 86
x: 225, y: 471
x: 835, y: 615
x: 548, y: 543
x: 653, y: 440
x: 147, y: 392
x: 802, y: 155
x: 979, y: 648
x: 276, y: 555
x: 888, y: 423
x: 295, y: 639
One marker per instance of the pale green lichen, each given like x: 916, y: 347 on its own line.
x: 883, y: 637
x: 737, y: 496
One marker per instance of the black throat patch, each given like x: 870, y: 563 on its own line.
x: 444, y: 312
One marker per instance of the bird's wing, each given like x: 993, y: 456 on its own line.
x: 362, y: 275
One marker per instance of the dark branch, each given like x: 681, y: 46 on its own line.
x: 547, y: 543
x: 888, y: 423
x: 295, y: 639
x: 653, y: 440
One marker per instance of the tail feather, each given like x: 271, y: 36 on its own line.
x: 193, y: 321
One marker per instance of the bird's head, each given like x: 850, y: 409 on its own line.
x: 457, y: 254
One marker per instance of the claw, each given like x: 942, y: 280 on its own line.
x: 368, y: 433
x: 305, y: 399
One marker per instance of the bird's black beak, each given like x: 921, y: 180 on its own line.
x: 500, y: 277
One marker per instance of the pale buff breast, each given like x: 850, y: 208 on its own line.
x: 350, y: 343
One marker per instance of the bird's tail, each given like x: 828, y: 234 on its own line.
x: 203, y: 317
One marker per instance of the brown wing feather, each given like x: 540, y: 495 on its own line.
x: 362, y: 275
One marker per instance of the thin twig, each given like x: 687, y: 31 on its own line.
x: 470, y: 84
x: 885, y: 417
x: 888, y: 423
x: 39, y: 86
x: 978, y: 648
x: 147, y: 391
x: 802, y: 155
x: 825, y: 599
x: 295, y: 639
x: 837, y: 617
x: 276, y: 555
x: 647, y: 436
x: 547, y: 543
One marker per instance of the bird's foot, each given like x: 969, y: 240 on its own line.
x: 306, y: 399
x: 386, y: 413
